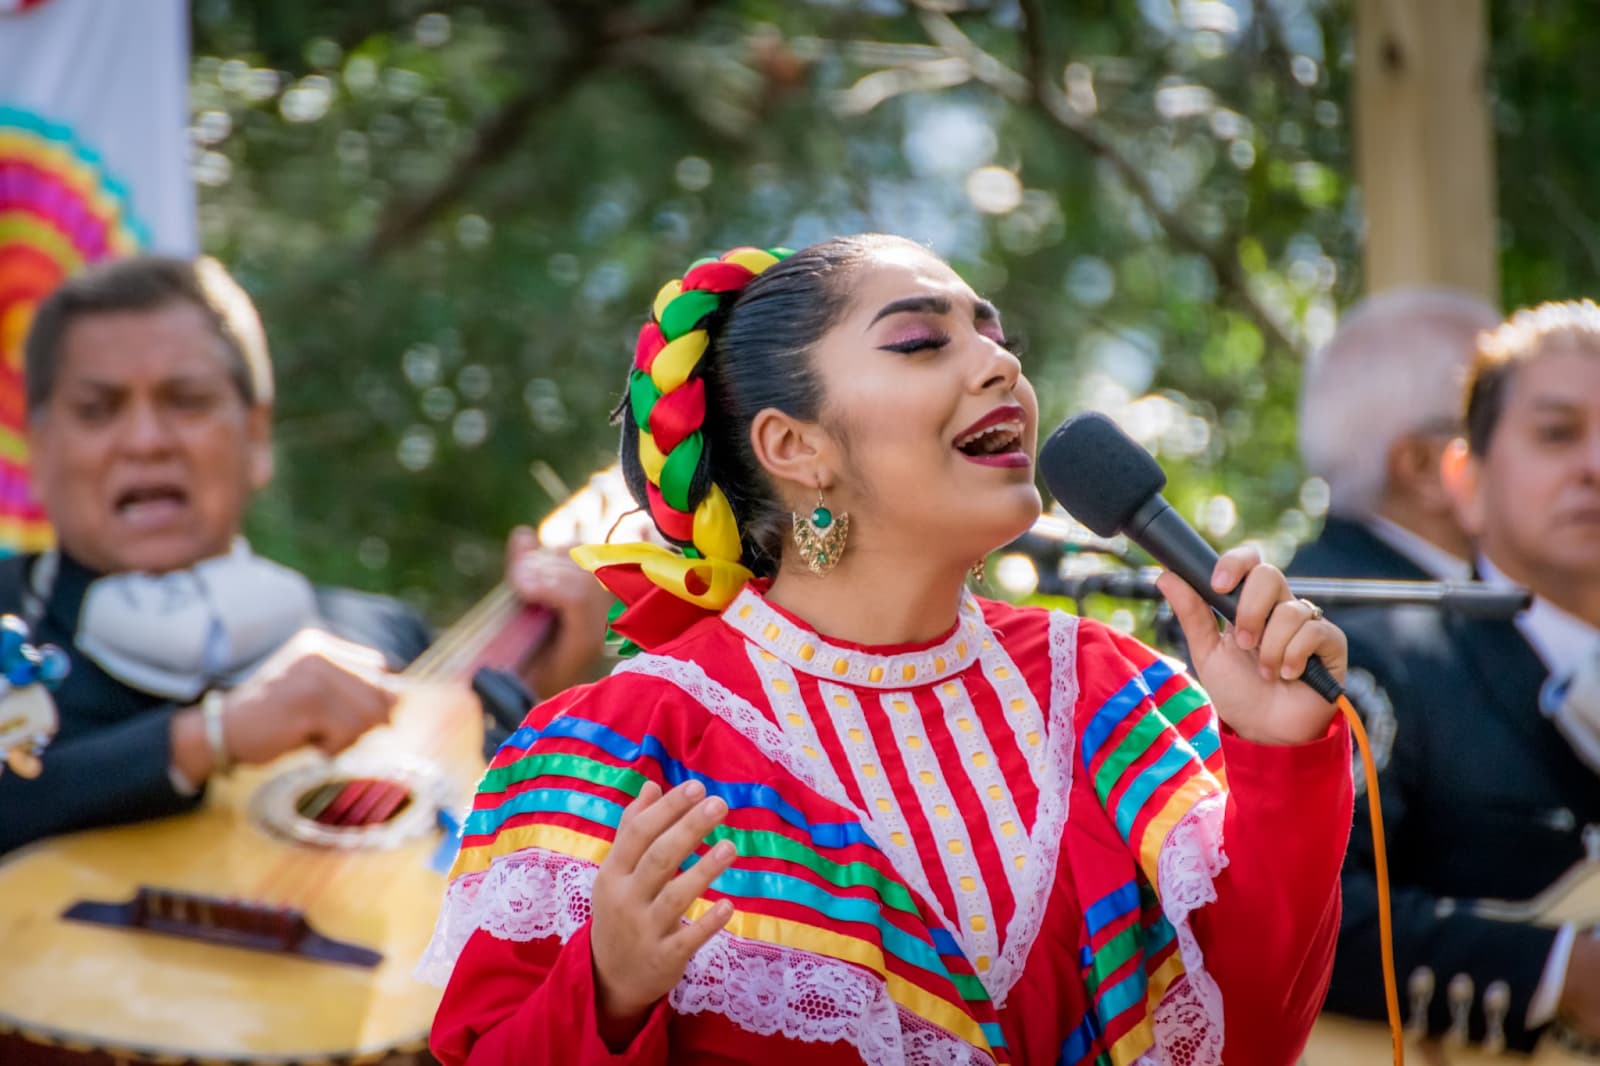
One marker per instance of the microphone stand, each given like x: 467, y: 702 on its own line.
x: 1471, y: 599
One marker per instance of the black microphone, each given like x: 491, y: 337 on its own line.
x: 1112, y: 485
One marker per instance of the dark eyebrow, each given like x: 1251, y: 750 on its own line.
x: 982, y: 311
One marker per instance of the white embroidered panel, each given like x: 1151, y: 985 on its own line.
x: 982, y: 767
x: 890, y: 830
x: 974, y: 911
x: 1016, y: 699
x: 1050, y: 817
x: 534, y: 894
x: 789, y: 707
x: 817, y: 774
x: 751, y: 616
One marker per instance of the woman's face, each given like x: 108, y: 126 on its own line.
x: 932, y: 423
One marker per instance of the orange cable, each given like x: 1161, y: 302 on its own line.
x: 1391, y: 993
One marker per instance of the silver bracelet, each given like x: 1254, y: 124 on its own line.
x: 211, y: 708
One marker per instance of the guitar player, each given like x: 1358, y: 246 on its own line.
x: 149, y: 392
x: 1494, y: 774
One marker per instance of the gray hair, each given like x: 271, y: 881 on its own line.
x: 1396, y: 365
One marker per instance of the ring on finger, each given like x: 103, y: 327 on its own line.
x: 1316, y: 612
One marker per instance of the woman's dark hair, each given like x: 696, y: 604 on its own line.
x: 759, y: 357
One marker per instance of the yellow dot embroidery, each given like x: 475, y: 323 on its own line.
x: 987, y: 643
x: 1002, y: 672
x: 1019, y: 704
x: 1008, y: 829
x: 941, y: 810
x: 954, y: 847
x: 901, y: 707
x: 969, y: 885
x: 1033, y: 739
x: 875, y: 674
x: 884, y: 804
x: 856, y: 736
x: 908, y: 672
x: 914, y: 743
x: 744, y: 612
x: 780, y: 685
x: 772, y: 631
x: 961, y: 649
x: 979, y: 923
x: 938, y: 663
x: 983, y: 964
x: 925, y: 776
x: 807, y: 652
x: 995, y: 793
x: 964, y: 724
x: 795, y: 719
x: 768, y: 657
x: 980, y: 760
x: 841, y: 667
x: 870, y: 769
x: 841, y: 700
x: 898, y: 838
x: 811, y: 753
x: 1020, y: 861
x: 951, y: 689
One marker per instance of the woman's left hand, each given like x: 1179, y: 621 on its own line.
x: 1249, y: 669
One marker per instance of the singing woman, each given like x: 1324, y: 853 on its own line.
x: 839, y: 809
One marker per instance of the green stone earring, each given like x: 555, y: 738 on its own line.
x: 820, y: 537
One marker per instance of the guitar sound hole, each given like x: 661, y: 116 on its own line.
x: 354, y: 802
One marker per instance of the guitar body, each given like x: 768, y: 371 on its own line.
x: 72, y: 991
x: 1339, y: 1041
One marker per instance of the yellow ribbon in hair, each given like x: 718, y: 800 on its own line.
x: 716, y: 532
x: 665, y: 295
x: 650, y: 457
x: 674, y: 362
x: 752, y: 259
x: 718, y: 579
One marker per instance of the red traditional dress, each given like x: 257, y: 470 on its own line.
x: 1026, y: 842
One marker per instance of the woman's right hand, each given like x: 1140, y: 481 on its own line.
x: 638, y: 940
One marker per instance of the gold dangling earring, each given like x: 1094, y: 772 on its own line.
x: 978, y: 570
x: 820, y: 536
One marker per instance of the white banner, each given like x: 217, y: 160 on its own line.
x: 94, y: 163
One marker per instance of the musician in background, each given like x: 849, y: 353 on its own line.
x: 1378, y: 405
x: 149, y: 391
x: 1492, y: 790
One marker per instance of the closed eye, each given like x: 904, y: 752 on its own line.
x: 1015, y: 343
x: 932, y: 341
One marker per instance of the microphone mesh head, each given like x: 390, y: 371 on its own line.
x: 1099, y: 473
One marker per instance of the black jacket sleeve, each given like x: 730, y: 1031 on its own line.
x: 110, y: 776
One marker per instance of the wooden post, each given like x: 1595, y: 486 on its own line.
x: 1424, y: 147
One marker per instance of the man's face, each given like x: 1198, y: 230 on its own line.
x: 1536, y: 502
x: 146, y: 454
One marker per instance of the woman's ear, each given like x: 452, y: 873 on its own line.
x: 794, y: 452
x: 1459, y: 471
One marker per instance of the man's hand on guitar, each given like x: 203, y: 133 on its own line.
x: 545, y: 577
x: 317, y: 689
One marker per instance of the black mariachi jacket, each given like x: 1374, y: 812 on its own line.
x: 108, y: 762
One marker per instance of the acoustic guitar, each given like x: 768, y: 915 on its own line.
x: 1339, y: 1041
x: 281, y: 921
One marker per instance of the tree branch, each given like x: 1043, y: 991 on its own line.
x: 1048, y: 99
x: 595, y: 48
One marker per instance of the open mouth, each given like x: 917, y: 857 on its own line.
x: 145, y: 503
x: 995, y: 440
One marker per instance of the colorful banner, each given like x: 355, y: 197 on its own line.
x: 94, y: 163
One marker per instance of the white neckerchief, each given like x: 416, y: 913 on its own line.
x: 1438, y: 563
x: 180, y: 633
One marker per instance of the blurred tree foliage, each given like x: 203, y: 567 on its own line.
x: 454, y: 216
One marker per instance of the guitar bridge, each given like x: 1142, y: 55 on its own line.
x: 225, y: 922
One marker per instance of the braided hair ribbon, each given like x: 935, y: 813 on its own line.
x: 665, y: 412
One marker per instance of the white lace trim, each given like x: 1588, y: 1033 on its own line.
x: 1050, y: 816
x: 762, y: 988
x: 1188, y: 1022
x: 753, y: 618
